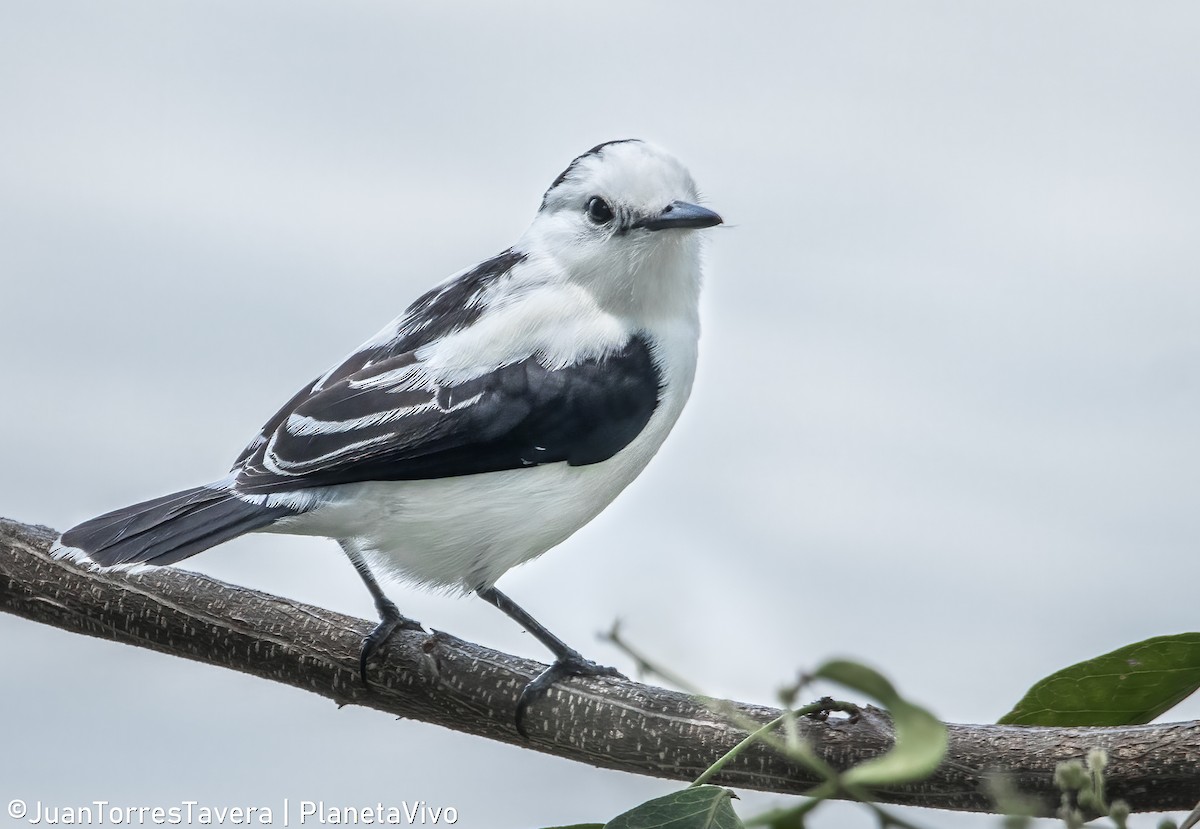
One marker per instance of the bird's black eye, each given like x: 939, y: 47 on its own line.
x: 599, y: 211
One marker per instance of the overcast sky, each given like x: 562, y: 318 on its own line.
x: 945, y: 419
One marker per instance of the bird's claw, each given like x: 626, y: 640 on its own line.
x: 562, y: 668
x: 390, y: 621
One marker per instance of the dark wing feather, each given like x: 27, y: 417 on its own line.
x: 519, y: 415
x: 442, y: 310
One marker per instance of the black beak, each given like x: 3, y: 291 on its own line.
x: 681, y: 215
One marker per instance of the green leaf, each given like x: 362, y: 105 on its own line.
x: 790, y: 818
x: 920, y: 738
x: 700, y: 807
x: 1130, y: 686
x: 579, y: 826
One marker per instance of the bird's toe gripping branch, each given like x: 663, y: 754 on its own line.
x: 390, y: 621
x: 571, y: 664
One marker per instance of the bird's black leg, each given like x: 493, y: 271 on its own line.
x: 567, y: 661
x: 390, y: 617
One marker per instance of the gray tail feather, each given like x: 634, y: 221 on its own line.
x: 169, y: 529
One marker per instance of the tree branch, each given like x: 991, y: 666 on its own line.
x: 614, y: 724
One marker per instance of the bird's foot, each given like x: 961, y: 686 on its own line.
x: 390, y: 621
x: 568, y: 665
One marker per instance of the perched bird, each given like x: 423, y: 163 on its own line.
x: 495, y: 417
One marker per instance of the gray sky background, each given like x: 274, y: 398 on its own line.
x: 945, y: 418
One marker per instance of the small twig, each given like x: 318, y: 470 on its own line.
x: 1192, y: 819
x: 645, y: 666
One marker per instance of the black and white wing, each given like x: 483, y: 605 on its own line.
x: 442, y: 310
x: 388, y: 421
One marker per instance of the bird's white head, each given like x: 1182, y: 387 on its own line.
x: 620, y: 221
